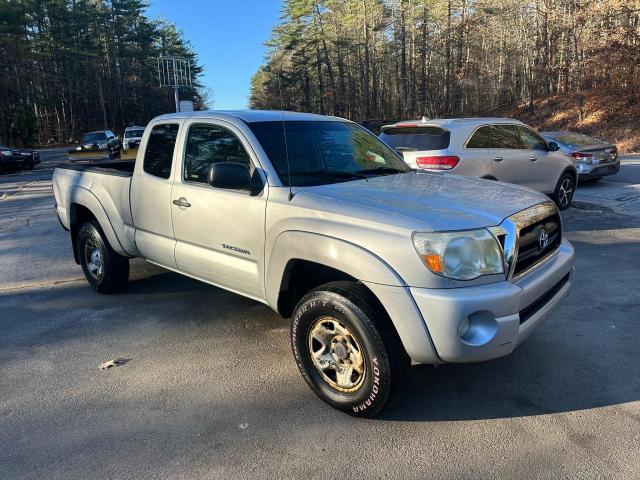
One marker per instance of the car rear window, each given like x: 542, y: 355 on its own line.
x: 576, y: 139
x: 416, y: 138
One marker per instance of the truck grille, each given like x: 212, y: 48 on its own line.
x: 529, y: 237
x: 537, y: 241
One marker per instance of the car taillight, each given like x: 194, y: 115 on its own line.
x: 444, y: 162
x: 581, y: 157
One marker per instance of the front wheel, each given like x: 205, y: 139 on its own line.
x: 104, y: 269
x: 564, y: 191
x: 347, y: 350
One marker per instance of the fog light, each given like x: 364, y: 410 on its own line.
x: 479, y: 328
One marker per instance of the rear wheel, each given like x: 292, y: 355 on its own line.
x: 104, y: 269
x: 346, y: 349
x: 565, y: 189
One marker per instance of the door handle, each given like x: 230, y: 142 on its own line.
x: 497, y: 159
x: 182, y: 202
x: 533, y: 159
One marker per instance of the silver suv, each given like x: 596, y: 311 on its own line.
x: 494, y: 148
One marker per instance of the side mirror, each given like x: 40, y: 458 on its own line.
x: 553, y: 147
x: 229, y: 175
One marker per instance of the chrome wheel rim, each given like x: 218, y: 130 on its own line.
x: 93, y: 259
x: 566, y: 191
x: 336, y: 355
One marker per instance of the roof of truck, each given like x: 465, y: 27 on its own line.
x: 251, y: 115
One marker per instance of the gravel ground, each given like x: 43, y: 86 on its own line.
x: 209, y: 388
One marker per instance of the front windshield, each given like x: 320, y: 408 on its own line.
x: 93, y: 137
x: 322, y: 152
x: 133, y: 133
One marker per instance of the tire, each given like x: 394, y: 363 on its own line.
x: 564, y: 191
x: 346, y: 313
x: 105, y: 270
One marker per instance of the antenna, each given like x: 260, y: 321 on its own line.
x: 284, y: 131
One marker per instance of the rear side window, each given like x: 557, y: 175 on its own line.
x: 416, y: 138
x: 158, y: 156
x: 505, y: 136
x: 496, y: 136
x: 481, y: 138
x: 208, y: 144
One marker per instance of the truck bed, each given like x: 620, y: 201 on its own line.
x: 103, y: 188
x: 122, y: 168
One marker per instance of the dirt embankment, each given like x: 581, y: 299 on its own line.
x: 605, y: 114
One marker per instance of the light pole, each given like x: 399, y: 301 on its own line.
x: 174, y: 72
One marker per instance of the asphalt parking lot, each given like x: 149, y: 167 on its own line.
x: 209, y: 388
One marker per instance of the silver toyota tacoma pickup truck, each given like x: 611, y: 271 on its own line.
x: 377, y: 265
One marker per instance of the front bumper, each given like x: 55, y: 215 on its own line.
x: 500, y: 315
x: 587, y: 171
x: 10, y: 164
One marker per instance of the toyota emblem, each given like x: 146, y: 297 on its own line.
x: 543, y: 239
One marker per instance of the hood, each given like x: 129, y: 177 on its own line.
x: 439, y: 201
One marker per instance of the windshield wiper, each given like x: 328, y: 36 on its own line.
x: 332, y: 173
x: 383, y: 170
x: 406, y: 149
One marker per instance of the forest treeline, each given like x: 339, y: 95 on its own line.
x: 68, y: 66
x: 395, y: 59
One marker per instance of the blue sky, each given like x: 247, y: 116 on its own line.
x: 228, y: 36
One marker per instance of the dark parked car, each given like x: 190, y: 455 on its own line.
x: 594, y: 158
x: 14, y: 159
x: 96, y: 146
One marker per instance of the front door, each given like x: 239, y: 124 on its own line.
x: 219, y: 233
x: 507, y: 153
x: 544, y: 169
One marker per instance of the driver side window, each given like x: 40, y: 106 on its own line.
x: 531, y: 140
x: 208, y: 144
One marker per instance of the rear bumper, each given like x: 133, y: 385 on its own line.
x: 586, y: 172
x: 500, y: 315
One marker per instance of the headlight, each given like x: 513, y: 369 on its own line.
x: 463, y: 255
x: 102, y: 146
x: 6, y: 153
